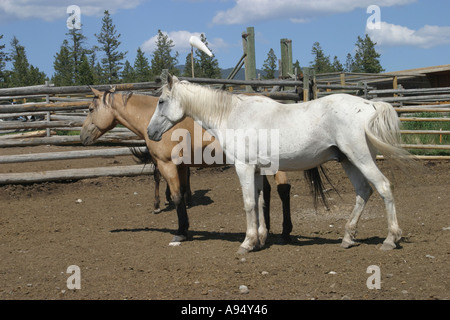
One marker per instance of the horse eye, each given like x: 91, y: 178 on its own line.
x: 161, y: 101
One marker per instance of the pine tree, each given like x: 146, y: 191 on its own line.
x: 128, y: 74
x: 208, y: 66
x: 109, y: 40
x: 297, y: 66
x: 35, y: 76
x: 98, y: 74
x: 349, y: 63
x: 96, y: 68
x: 23, y: 74
x: 77, y: 50
x: 321, y: 62
x: 337, y: 65
x: 19, y: 72
x: 162, y: 56
x: 63, y: 66
x: 270, y: 65
x: 142, y: 71
x: 188, y: 66
x: 366, y: 58
x: 86, y: 75
x: 3, y: 72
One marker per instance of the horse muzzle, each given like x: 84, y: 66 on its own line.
x: 154, y: 135
x: 89, y: 135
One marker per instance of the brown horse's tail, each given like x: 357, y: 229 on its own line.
x: 316, y: 185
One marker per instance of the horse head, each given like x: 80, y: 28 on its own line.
x: 100, y: 118
x: 168, y: 111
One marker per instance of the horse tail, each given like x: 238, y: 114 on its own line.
x: 314, y: 179
x: 142, y: 156
x: 383, y: 131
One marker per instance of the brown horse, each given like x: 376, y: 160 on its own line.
x: 134, y: 111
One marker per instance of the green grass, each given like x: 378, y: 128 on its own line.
x: 67, y: 133
x: 433, y: 139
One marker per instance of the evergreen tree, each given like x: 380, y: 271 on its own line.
x: 142, y: 71
x: 188, y: 66
x: 297, y: 66
x: 96, y: 68
x: 77, y: 50
x: 98, y: 74
x: 35, y: 76
x: 128, y: 74
x: 23, y: 74
x: 109, y: 40
x: 337, y: 65
x: 349, y: 63
x: 86, y: 75
x: 208, y: 66
x: 3, y: 72
x: 20, y: 63
x: 63, y: 66
x: 270, y: 65
x: 366, y: 58
x: 162, y: 56
x: 321, y: 62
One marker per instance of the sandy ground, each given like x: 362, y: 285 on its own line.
x: 122, y: 251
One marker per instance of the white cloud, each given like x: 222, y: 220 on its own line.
x: 297, y: 11
x: 181, y: 41
x: 50, y: 10
x: 391, y: 35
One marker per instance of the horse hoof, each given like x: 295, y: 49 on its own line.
x: 174, y: 244
x: 242, y: 251
x: 178, y: 238
x: 156, y: 211
x: 388, y: 246
x: 347, y: 244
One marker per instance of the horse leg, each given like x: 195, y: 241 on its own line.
x: 246, y: 174
x: 363, y: 192
x: 284, y: 192
x: 367, y: 166
x: 157, y: 178
x: 259, y: 200
x: 188, y: 194
x: 168, y: 196
x: 266, y: 193
x: 384, y: 188
x: 172, y: 175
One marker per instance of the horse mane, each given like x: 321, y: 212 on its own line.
x: 109, y: 96
x: 205, y: 103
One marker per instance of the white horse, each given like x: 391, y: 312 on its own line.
x: 339, y: 127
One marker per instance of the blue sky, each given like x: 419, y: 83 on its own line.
x: 410, y: 33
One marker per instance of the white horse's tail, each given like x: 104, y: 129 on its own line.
x: 383, y: 131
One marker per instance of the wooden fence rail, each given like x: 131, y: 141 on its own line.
x: 68, y: 113
x: 74, y: 174
x: 66, y: 155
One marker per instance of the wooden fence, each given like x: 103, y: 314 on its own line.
x: 57, y: 110
x: 410, y: 104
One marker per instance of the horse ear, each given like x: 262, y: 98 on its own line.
x: 95, y: 91
x: 113, y: 89
x: 169, y: 81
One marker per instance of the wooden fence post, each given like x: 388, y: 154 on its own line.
x: 306, y: 78
x: 287, y: 66
x: 47, y: 100
x: 248, y: 43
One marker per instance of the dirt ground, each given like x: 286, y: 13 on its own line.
x: 122, y: 249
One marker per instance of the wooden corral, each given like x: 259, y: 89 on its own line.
x: 61, y: 109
